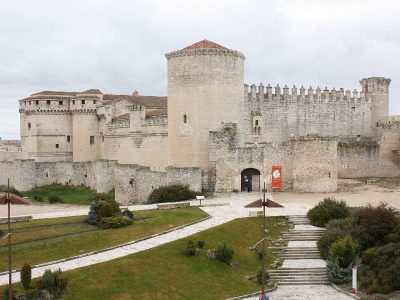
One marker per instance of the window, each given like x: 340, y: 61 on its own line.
x: 91, y: 140
x: 257, y: 122
x: 30, y: 102
x: 48, y: 102
x: 60, y: 103
x: 83, y: 101
x: 184, y: 118
x: 68, y: 138
x: 94, y: 101
x: 37, y: 102
x: 29, y: 126
x: 73, y: 102
x: 353, y: 108
x: 57, y: 146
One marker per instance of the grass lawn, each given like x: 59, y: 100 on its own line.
x: 78, y: 195
x: 165, y: 273
x: 65, y: 237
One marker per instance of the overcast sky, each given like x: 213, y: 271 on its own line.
x: 119, y: 46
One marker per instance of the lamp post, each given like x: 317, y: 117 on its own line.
x: 264, y: 204
x: 9, y: 241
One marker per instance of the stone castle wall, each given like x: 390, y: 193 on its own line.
x: 133, y: 183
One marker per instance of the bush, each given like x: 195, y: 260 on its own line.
x: 171, y: 193
x: 327, y: 210
x: 93, y: 212
x: 114, y: 222
x: 26, y: 276
x: 54, y: 282
x: 109, y: 198
x: 259, y: 277
x: 374, y: 224
x: 338, y: 274
x: 38, y: 198
x: 127, y: 213
x: 4, y: 189
x: 190, y: 249
x: 224, y: 253
x: 344, y: 251
x: 54, y: 199
x: 200, y: 244
x: 335, y: 230
x: 105, y: 211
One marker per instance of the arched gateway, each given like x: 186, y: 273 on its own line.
x: 253, y: 179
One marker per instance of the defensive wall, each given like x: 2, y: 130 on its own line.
x: 133, y: 183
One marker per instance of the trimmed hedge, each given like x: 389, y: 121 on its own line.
x: 114, y: 222
x: 327, y: 210
x: 171, y: 193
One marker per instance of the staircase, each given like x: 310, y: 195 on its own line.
x: 299, y: 275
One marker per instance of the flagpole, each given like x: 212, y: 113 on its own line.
x: 9, y: 242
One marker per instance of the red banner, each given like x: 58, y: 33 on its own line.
x: 276, y: 177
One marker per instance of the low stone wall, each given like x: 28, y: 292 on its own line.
x: 133, y: 183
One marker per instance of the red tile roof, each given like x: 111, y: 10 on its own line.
x: 204, y: 44
x: 163, y: 112
x: 124, y: 117
x: 147, y: 101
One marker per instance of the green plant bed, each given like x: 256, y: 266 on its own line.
x: 165, y: 271
x: 78, y: 195
x: 44, y: 240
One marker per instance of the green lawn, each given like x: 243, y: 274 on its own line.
x: 65, y: 237
x: 165, y: 273
x: 79, y: 194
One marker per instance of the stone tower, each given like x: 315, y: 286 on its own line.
x: 205, y: 88
x: 378, y: 88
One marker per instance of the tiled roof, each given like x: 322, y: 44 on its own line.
x: 56, y: 93
x: 91, y: 91
x: 124, y: 117
x: 157, y: 113
x: 204, y: 44
x: 147, y: 101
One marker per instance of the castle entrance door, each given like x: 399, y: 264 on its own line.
x: 250, y: 180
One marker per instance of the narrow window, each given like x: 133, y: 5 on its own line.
x: 68, y: 138
x: 57, y: 146
x: 257, y: 122
x: 60, y: 103
x: 185, y: 118
x: 29, y: 102
x: 94, y: 101
x: 73, y: 102
x: 91, y: 140
x: 29, y: 126
x: 37, y: 102
x: 48, y: 102
x: 83, y: 101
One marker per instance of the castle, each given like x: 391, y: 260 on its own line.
x: 211, y: 132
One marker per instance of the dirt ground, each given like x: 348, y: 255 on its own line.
x: 356, y: 192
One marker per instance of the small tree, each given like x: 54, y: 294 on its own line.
x: 26, y: 276
x: 224, y: 253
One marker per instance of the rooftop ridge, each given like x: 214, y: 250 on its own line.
x: 205, y: 44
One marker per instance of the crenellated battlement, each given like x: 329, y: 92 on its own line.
x: 278, y: 93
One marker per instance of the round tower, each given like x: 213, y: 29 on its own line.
x: 378, y: 88
x: 205, y: 88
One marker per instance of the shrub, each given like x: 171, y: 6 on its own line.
x: 171, y: 193
x: 109, y: 198
x: 4, y: 189
x: 26, y: 276
x: 335, y: 229
x: 224, y: 253
x: 54, y: 282
x: 259, y: 277
x: 200, y: 244
x: 338, y: 274
x: 114, y: 222
x: 55, y: 199
x: 382, y: 268
x: 93, y: 212
x: 327, y: 210
x: 127, y: 213
x: 105, y: 211
x: 190, y: 249
x: 344, y: 251
x: 374, y: 224
x: 38, y: 198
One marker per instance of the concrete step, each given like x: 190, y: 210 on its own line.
x: 304, y: 232
x: 322, y: 282
x: 298, y: 270
x: 272, y: 248
x: 302, y: 238
x: 315, y: 256
x: 307, y: 277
